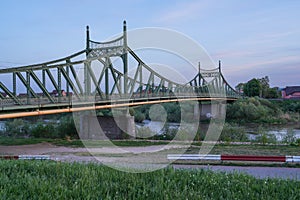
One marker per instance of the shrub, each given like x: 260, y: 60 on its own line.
x: 233, y: 133
x: 66, y: 127
x: 17, y: 128
x: 298, y: 142
x: 290, y: 137
x: 186, y: 134
x: 265, y: 138
x: 144, y: 132
x: 42, y: 130
x: 139, y: 117
x: 254, y: 110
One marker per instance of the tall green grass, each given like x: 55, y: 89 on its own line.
x: 52, y: 180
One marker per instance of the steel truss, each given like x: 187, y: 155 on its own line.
x: 62, y: 82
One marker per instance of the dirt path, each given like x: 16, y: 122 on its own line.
x: 38, y: 149
x: 47, y: 148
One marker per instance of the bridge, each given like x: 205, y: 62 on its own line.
x: 73, y: 84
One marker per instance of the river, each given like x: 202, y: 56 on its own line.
x: 278, y: 131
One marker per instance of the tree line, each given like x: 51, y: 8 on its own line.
x: 258, y: 87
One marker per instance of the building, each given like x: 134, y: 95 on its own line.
x: 291, y: 92
x: 55, y: 93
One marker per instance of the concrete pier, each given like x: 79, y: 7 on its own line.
x: 105, y: 127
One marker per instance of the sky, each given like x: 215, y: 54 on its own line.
x: 253, y: 39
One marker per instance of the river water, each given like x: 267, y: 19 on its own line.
x: 278, y: 131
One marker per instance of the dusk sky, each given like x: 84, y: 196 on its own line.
x: 252, y: 38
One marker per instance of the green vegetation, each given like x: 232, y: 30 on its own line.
x: 250, y: 149
x: 244, y: 110
x: 51, y: 180
x: 170, y: 112
x: 252, y: 88
x: 233, y: 133
x: 62, y: 128
x: 255, y: 110
x: 21, y: 141
x: 8, y: 141
x: 289, y: 105
x: 258, y: 87
x: 240, y: 113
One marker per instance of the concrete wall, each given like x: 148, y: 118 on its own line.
x: 207, y: 111
x: 102, y: 128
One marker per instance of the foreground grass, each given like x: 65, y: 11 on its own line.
x: 51, y: 180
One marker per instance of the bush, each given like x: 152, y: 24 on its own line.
x: 200, y: 135
x: 254, y: 110
x: 233, y: 133
x: 297, y: 142
x: 66, y: 128
x: 173, y: 111
x: 42, y: 130
x: 265, y: 138
x: 144, y: 133
x: 139, y: 117
x: 17, y: 128
x: 186, y: 134
x: 290, y: 137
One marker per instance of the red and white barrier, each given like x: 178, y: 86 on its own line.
x: 25, y: 157
x: 234, y: 157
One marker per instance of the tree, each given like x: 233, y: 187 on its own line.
x: 240, y: 87
x: 252, y: 88
x: 265, y: 86
x: 272, y: 93
x: 17, y: 128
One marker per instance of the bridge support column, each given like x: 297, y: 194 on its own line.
x: 197, y: 108
x: 205, y: 111
x: 84, y: 125
x: 209, y: 110
x: 220, y: 110
x: 106, y: 127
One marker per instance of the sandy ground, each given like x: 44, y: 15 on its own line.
x: 50, y: 149
x: 38, y: 149
x: 147, y: 154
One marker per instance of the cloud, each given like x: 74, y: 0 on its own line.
x: 232, y: 54
x: 282, y: 71
x: 183, y: 11
x: 265, y: 63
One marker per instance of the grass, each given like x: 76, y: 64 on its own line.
x: 78, y: 143
x: 251, y: 149
x: 8, y: 141
x: 235, y: 149
x: 51, y: 180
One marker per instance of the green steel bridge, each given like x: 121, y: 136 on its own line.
x: 72, y: 84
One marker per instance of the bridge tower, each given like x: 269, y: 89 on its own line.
x: 103, y: 51
x: 106, y: 50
